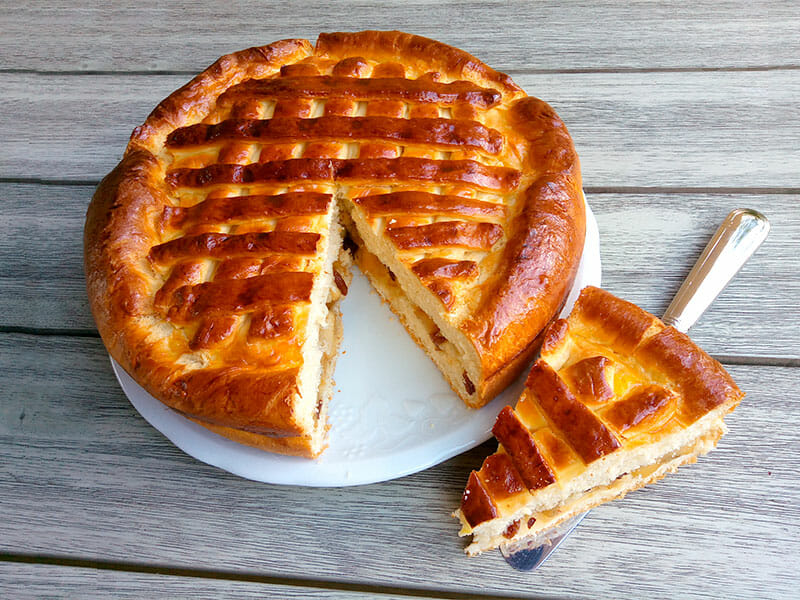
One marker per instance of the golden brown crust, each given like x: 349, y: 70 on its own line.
x: 114, y: 243
x: 290, y: 445
x: 378, y: 90
x: 611, y: 321
x: 356, y: 170
x: 702, y: 382
x: 542, y: 256
x: 437, y: 132
x: 410, y: 49
x: 520, y: 446
x: 539, y: 266
x: 586, y: 433
x: 641, y: 404
x: 201, y: 245
x: 479, y: 236
x: 476, y: 504
x: 542, y: 529
x: 426, y: 203
x: 589, y: 379
x: 616, y: 391
x: 244, y: 399
x: 198, y: 96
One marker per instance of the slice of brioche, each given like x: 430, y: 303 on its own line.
x: 617, y: 401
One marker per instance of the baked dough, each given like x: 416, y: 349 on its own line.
x: 214, y: 253
x: 617, y: 400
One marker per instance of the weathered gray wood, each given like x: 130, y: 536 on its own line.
x: 648, y: 244
x: 41, y: 266
x: 509, y: 35
x: 84, y: 476
x: 631, y: 129
x: 656, y: 95
x: 21, y: 581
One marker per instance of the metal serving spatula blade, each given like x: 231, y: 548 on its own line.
x: 740, y: 234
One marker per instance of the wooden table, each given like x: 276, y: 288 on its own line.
x: 679, y: 115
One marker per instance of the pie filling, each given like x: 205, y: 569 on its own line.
x: 417, y: 310
x: 331, y: 335
x: 330, y: 338
x: 528, y: 527
x: 320, y: 321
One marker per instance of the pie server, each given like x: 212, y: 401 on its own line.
x: 740, y: 234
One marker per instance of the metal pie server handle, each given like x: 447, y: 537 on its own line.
x: 740, y: 234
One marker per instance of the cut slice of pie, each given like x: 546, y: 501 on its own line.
x: 617, y: 400
x: 214, y: 252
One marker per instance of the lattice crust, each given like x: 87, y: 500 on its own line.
x: 209, y: 248
x: 617, y: 399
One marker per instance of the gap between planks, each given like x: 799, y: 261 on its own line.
x: 511, y: 72
x: 676, y: 190
x: 756, y: 361
x: 247, y: 577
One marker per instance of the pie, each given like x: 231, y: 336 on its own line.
x: 216, y: 255
x: 617, y: 400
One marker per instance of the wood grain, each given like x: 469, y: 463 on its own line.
x: 680, y: 112
x: 149, y: 35
x: 648, y: 245
x: 22, y: 581
x: 630, y: 129
x: 109, y: 487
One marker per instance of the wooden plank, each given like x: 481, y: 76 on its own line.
x: 648, y: 245
x: 187, y: 36
x: 42, y: 283
x: 21, y: 581
x: 718, y: 129
x: 108, y: 487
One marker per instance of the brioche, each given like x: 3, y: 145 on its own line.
x: 214, y: 251
x: 616, y: 401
